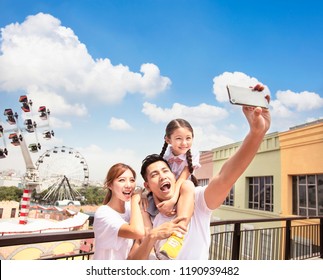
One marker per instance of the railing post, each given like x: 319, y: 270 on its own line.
x: 321, y: 238
x: 236, y: 242
x: 287, y: 239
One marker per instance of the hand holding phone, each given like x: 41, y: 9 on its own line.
x: 247, y: 96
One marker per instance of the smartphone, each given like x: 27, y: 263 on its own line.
x: 246, y: 96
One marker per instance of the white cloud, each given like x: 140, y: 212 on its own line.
x: 202, y: 118
x: 290, y: 108
x: 41, y: 52
x: 152, y: 82
x: 119, y: 124
x: 15, y: 158
x: 303, y: 101
x: 58, y: 123
x: 232, y: 78
x: 278, y: 110
x: 62, y: 107
x: 209, y: 137
x: 95, y: 154
x: 311, y: 119
x: 198, y: 115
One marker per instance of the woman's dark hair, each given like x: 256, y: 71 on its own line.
x: 170, y: 128
x: 114, y: 172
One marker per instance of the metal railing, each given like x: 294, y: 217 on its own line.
x: 301, y: 240
x: 286, y: 242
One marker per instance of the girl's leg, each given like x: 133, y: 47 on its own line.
x: 185, y: 209
x: 185, y: 204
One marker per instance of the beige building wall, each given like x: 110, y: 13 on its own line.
x: 205, y: 173
x: 298, y: 151
x: 301, y: 153
x: 265, y: 163
x: 8, y: 208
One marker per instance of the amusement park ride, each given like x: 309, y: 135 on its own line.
x: 46, y: 173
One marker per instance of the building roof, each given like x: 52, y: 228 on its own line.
x: 12, y: 226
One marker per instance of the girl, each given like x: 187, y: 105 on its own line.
x: 177, y: 151
x: 118, y: 221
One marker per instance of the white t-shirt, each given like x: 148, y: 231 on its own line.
x: 197, y: 239
x: 107, y: 222
x: 178, y: 166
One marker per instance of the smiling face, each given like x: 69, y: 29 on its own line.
x: 181, y: 140
x: 160, y: 180
x: 123, y: 186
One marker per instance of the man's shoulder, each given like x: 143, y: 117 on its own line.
x: 200, y: 203
x: 199, y: 190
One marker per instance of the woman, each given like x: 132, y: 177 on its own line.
x: 118, y: 221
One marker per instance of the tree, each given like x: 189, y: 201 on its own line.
x: 10, y: 193
x: 93, y: 195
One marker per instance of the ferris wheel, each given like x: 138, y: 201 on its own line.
x: 62, y: 170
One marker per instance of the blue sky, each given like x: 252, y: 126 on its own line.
x: 114, y: 73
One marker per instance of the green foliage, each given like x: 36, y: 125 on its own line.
x: 10, y: 193
x: 93, y: 195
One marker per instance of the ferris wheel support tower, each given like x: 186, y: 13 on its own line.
x: 31, y: 178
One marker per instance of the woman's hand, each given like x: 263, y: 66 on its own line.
x: 166, y: 229
x: 137, y: 194
x: 144, y: 200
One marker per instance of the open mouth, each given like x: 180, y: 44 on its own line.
x: 165, y: 187
x: 127, y: 192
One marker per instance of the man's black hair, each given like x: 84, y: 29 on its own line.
x: 148, y: 161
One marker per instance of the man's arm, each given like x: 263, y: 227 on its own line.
x: 220, y: 185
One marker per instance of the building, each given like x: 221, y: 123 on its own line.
x: 284, y: 179
x: 10, y: 182
x: 205, y: 174
x: 43, y: 220
x: 9, y: 209
x: 302, y: 170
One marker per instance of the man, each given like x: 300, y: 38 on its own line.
x: 161, y: 182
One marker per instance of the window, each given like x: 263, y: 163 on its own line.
x: 203, y: 182
x: 13, y: 212
x: 308, y: 195
x: 261, y: 192
x: 230, y: 198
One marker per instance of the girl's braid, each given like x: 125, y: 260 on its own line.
x: 190, y: 167
x: 163, y: 149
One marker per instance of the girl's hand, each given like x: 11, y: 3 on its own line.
x: 167, y: 207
